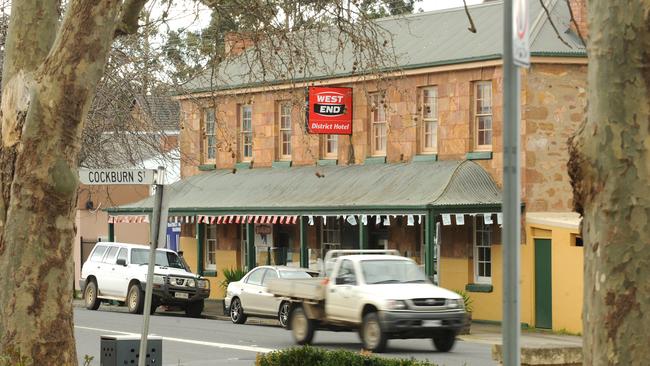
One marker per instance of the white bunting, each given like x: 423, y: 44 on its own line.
x: 460, y: 219
x: 419, y: 219
x: 409, y: 220
x: 377, y: 219
x: 351, y: 220
x: 386, y: 221
x: 324, y: 220
x: 500, y: 218
x: 311, y: 220
x: 364, y: 219
x: 487, y: 219
x: 446, y: 219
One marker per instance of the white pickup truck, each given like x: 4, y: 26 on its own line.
x: 377, y: 292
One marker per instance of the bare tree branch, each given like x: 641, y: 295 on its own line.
x: 471, y: 28
x: 557, y: 32
x: 129, y: 15
x: 573, y: 20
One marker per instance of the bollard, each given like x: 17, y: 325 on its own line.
x: 120, y: 350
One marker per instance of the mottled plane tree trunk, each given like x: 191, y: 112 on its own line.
x: 50, y: 73
x: 610, y: 171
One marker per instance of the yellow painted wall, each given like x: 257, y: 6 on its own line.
x: 455, y: 273
x: 567, y: 275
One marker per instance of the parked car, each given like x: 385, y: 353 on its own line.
x: 118, y: 272
x: 248, y: 296
x: 376, y: 292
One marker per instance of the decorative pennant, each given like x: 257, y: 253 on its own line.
x: 446, y: 219
x: 460, y: 219
x: 324, y: 220
x: 487, y: 219
x: 386, y: 221
x: 419, y: 219
x: 364, y: 219
x: 377, y: 219
x: 310, y: 219
x: 410, y: 221
x: 351, y: 220
x: 500, y: 218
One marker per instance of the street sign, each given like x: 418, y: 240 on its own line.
x: 117, y: 176
x: 520, y: 31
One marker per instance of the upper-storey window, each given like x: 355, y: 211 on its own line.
x: 246, y: 132
x: 378, y: 125
x: 210, y: 135
x: 483, y: 115
x: 284, y: 129
x: 429, y: 118
x: 330, y: 147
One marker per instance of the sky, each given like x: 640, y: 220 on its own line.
x: 428, y: 5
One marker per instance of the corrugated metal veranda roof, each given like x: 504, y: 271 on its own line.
x: 415, y: 186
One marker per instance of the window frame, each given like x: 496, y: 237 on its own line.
x: 208, y: 265
x: 478, y: 244
x: 478, y: 114
x: 283, y: 129
x: 210, y: 133
x: 244, y: 133
x: 326, y: 152
x: 426, y: 120
x: 334, y: 227
x: 375, y: 99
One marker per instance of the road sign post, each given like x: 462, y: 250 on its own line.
x: 516, y: 53
x: 137, y: 176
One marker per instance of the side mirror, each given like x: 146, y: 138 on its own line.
x: 339, y: 281
x: 121, y: 262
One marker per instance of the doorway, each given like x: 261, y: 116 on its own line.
x: 543, y: 284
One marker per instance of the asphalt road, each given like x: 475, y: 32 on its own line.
x: 199, y: 342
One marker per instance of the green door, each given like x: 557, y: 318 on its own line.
x: 543, y: 286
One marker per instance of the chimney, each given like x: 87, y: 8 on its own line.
x: 236, y: 43
x: 579, y: 11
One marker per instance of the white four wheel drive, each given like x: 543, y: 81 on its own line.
x: 378, y: 293
x: 118, y: 272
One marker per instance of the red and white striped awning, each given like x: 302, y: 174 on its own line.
x: 128, y: 219
x: 236, y: 219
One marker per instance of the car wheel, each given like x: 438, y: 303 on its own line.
x: 194, y: 308
x: 134, y: 299
x: 237, y: 315
x: 444, y: 341
x: 302, y: 328
x: 90, y: 296
x: 374, y: 338
x: 283, y: 313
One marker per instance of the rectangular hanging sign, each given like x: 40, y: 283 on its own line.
x: 329, y: 110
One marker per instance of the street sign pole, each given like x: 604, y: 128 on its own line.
x: 515, y: 52
x: 156, y: 222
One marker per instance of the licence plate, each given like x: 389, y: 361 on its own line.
x: 432, y: 323
x: 181, y: 295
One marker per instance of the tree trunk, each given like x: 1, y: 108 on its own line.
x: 610, y: 172
x: 48, y: 88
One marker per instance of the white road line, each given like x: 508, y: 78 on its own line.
x: 190, y: 341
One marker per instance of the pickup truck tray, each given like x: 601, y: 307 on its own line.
x: 312, y: 289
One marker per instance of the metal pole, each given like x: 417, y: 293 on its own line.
x: 511, y: 195
x: 437, y: 253
x: 155, y: 233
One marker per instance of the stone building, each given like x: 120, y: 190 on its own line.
x: 420, y: 173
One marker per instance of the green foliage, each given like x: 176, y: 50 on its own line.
x: 320, y: 357
x: 468, y: 300
x: 231, y: 275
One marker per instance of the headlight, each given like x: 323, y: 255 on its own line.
x: 158, y: 280
x: 190, y: 283
x: 204, y: 284
x: 396, y: 304
x: 455, y: 303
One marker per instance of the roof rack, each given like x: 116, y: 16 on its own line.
x: 339, y: 252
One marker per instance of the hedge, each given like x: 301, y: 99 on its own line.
x: 311, y: 356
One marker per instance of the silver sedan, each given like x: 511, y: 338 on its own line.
x: 248, y: 296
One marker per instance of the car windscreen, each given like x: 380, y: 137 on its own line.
x: 163, y: 258
x: 294, y: 274
x: 391, y: 271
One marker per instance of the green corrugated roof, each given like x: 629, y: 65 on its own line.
x: 299, y: 190
x: 420, y: 40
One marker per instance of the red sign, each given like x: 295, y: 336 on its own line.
x: 330, y: 111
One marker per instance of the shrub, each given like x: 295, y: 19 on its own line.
x: 231, y: 275
x: 319, y: 357
x: 468, y: 300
